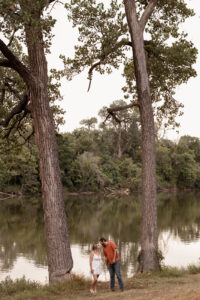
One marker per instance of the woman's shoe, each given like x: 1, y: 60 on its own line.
x: 92, y: 291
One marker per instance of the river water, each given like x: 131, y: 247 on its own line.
x: 22, y: 242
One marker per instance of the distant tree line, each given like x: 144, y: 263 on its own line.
x: 107, y: 157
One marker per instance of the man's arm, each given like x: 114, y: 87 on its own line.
x: 115, y: 252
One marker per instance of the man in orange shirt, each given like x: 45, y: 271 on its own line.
x: 113, y: 262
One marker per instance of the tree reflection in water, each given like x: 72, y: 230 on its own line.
x: 90, y: 217
x: 180, y: 215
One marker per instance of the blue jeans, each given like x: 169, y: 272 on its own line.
x: 115, y: 269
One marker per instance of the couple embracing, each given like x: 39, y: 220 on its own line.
x: 112, y: 260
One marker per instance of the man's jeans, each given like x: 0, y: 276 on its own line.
x: 115, y: 269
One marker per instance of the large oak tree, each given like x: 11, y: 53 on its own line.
x: 30, y: 22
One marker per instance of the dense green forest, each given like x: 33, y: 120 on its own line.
x: 96, y: 159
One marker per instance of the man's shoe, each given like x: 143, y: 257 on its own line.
x: 121, y: 290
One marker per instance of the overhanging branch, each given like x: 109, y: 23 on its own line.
x: 121, y: 43
x: 90, y: 72
x: 14, y: 63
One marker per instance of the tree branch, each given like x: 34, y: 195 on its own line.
x: 121, y: 43
x: 15, y: 111
x: 3, y: 92
x: 113, y: 115
x: 56, y: 1
x: 122, y: 107
x: 50, y: 1
x: 18, y: 120
x: 111, y: 111
x: 90, y: 72
x: 107, y: 117
x: 14, y: 63
x: 5, y: 63
x: 147, y: 13
x: 12, y: 37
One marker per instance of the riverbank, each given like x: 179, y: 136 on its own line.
x: 168, y: 284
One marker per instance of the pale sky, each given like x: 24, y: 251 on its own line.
x: 79, y: 104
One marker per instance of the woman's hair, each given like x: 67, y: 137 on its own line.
x: 94, y: 247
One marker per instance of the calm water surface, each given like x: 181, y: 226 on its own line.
x: 22, y: 243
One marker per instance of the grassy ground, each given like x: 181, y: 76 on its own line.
x: 169, y: 284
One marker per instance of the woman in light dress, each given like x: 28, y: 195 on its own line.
x: 95, y: 265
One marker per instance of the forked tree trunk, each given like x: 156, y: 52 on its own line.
x: 57, y: 238
x: 149, y: 241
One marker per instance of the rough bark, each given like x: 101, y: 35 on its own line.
x: 57, y: 238
x: 149, y: 240
x: 59, y: 255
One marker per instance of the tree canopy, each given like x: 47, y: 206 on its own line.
x: 104, y: 44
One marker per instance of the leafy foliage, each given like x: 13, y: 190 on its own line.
x: 15, y: 16
x: 103, y: 45
x: 89, y: 160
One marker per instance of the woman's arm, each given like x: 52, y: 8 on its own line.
x: 103, y: 258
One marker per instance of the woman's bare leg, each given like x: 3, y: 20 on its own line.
x: 94, y: 282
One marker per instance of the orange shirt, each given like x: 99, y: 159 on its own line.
x: 109, y: 252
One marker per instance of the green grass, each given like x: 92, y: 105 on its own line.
x: 9, y: 287
x: 172, y: 272
x: 177, y: 272
x: 168, y: 271
x: 22, y: 289
x: 25, y: 289
x: 193, y: 269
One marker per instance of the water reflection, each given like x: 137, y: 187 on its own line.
x: 180, y: 215
x: 22, y: 243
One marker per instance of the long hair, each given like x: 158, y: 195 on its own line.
x: 94, y: 247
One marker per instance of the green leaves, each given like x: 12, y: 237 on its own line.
x: 166, y: 18
x: 89, y: 123
x: 15, y: 17
x: 100, y: 32
x: 104, y: 41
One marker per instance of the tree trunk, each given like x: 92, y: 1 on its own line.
x: 149, y: 241
x: 119, y: 149
x: 57, y: 238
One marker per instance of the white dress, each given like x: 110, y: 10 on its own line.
x: 97, y: 264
